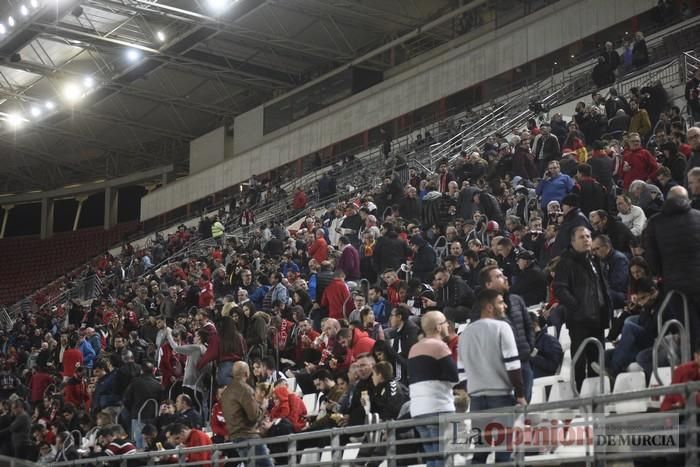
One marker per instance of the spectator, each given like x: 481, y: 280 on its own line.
x: 390, y: 252
x: 218, y: 231
x: 492, y: 278
x: 692, y: 93
x: 580, y: 287
x: 619, y: 234
x: 530, y: 282
x: 673, y: 249
x: 554, y: 185
x: 318, y: 250
x: 592, y: 195
x: 573, y: 217
x: 453, y: 296
x: 488, y: 351
x: 433, y: 374
x: 336, y: 297
x: 611, y: 57
x: 638, y: 163
x: 640, y: 54
x: 242, y: 412
x: 694, y: 187
x: 299, y: 199
x: 615, y: 269
x: 632, y: 216
x: 349, y: 261
x: 547, y: 355
x: 424, y: 258
x: 602, y: 74
x: 355, y: 341
x: 181, y: 435
x: 404, y: 334
x: 640, y: 123
x: 141, y: 389
x: 687, y: 372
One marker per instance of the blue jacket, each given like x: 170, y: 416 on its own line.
x: 381, y: 310
x: 104, y: 393
x: 616, y: 268
x: 554, y: 189
x: 548, y: 357
x: 289, y: 266
x: 258, y: 295
x: 312, y: 286
x: 88, y: 353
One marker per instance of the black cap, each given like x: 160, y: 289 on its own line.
x: 525, y: 254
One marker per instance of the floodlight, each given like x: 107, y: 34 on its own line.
x: 11, y: 21
x: 160, y: 35
x: 14, y: 120
x: 35, y: 111
x: 49, y: 105
x: 72, y: 92
x: 3, y: 29
x: 133, y: 54
x: 89, y: 82
x: 34, y: 3
x: 24, y: 11
x: 218, y: 6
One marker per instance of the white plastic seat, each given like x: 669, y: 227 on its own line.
x: 575, y: 432
x: 350, y: 453
x: 552, y: 331
x: 564, y: 338
x: 591, y: 387
x: 309, y: 456
x: 665, y: 373
x: 561, y: 391
x: 311, y: 403
x: 292, y: 384
x: 627, y: 382
x: 327, y: 454
x: 539, y: 393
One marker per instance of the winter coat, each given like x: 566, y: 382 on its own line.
x: 390, y: 252
x: 572, y: 219
x: 289, y: 406
x: 592, y: 195
x: 349, y: 263
x: 548, y: 357
x: 424, y: 262
x: 616, y: 270
x: 672, y: 245
x: 643, y: 166
x: 531, y: 285
x: 577, y: 285
x: 388, y: 398
x: 455, y: 293
x: 602, y: 167
x: 336, y: 298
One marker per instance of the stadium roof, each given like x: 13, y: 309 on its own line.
x: 102, y: 88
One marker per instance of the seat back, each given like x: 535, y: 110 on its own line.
x: 591, y: 387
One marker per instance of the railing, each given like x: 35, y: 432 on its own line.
x: 396, y: 441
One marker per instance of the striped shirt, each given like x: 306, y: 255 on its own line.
x: 488, y: 352
x: 432, y: 374
x: 120, y: 447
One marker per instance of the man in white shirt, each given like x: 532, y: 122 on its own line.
x: 489, y: 354
x: 632, y: 216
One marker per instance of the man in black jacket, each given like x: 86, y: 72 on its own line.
x: 547, y: 354
x: 573, y: 217
x: 580, y: 285
x: 492, y: 277
x: 390, y: 252
x: 404, y: 334
x: 673, y: 250
x: 141, y: 389
x: 424, y: 258
x: 409, y: 205
x: 592, y: 194
x: 453, y: 296
x: 531, y: 281
x: 619, y: 234
x: 489, y: 206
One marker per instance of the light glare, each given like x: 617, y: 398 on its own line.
x: 11, y: 21
x: 34, y: 3
x: 24, y: 10
x: 72, y: 93
x: 219, y: 6
x: 160, y: 35
x: 35, y: 111
x: 49, y: 105
x: 3, y: 29
x: 14, y: 120
x: 88, y: 82
x: 133, y: 55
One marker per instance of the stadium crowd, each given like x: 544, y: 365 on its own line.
x: 587, y: 223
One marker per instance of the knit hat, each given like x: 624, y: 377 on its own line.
x: 571, y: 200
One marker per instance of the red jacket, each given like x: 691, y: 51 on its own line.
x: 319, y: 250
x: 75, y: 392
x: 289, y: 406
x: 198, y: 438
x: 682, y: 374
x: 299, y: 201
x: 38, y: 384
x: 301, y: 346
x: 71, y: 359
x: 212, y: 353
x: 361, y: 343
x: 334, y: 296
x: 218, y: 422
x: 642, y: 166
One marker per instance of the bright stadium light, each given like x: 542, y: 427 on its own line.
x: 11, y: 21
x: 34, y: 3
x: 133, y: 55
x: 49, y: 105
x: 14, y: 120
x: 218, y: 6
x: 72, y: 93
x: 160, y: 35
x: 35, y: 111
x: 89, y: 82
x: 24, y: 11
x: 3, y: 29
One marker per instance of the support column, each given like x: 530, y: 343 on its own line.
x: 7, y: 209
x: 46, y: 218
x: 111, y: 207
x: 81, y: 200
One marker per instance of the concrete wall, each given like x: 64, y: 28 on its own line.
x: 207, y: 151
x: 547, y: 30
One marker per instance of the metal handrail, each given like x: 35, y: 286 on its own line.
x: 392, y: 426
x: 664, y: 306
x: 685, y: 345
x: 601, y: 361
x: 144, y: 405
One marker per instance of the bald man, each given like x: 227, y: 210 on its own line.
x: 673, y: 250
x: 433, y: 374
x: 242, y: 412
x: 693, y: 137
